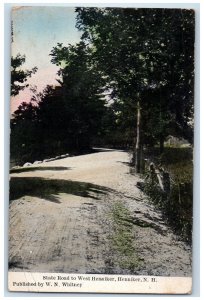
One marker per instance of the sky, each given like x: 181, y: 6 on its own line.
x: 36, y: 30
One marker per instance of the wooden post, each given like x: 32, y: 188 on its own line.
x: 166, y: 183
x: 159, y: 179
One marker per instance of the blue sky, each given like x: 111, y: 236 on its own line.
x: 36, y: 30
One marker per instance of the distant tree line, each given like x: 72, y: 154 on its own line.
x: 128, y: 82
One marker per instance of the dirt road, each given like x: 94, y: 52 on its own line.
x: 84, y: 214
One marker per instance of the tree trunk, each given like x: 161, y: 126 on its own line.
x: 161, y: 144
x: 138, y: 146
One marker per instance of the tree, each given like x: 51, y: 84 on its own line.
x: 65, y: 118
x: 82, y: 93
x: 19, y: 77
x: 24, y: 138
x: 142, y: 51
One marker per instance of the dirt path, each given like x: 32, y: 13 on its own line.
x: 84, y: 214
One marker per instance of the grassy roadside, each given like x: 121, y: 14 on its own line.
x: 178, y: 209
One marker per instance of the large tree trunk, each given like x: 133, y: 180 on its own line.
x: 138, y: 142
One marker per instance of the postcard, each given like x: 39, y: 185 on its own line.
x: 101, y: 150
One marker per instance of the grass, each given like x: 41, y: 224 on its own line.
x: 122, y: 238
x: 178, y: 161
x: 178, y: 206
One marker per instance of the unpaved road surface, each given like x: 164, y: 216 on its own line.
x: 84, y: 214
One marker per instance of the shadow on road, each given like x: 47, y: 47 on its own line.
x: 96, y: 149
x: 49, y: 189
x: 30, y: 169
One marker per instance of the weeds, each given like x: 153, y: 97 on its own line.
x: 178, y: 205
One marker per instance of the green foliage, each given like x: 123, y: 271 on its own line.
x: 82, y: 87
x: 24, y: 139
x: 64, y: 118
x: 146, y: 53
x: 125, y: 57
x: 179, y: 162
x: 18, y: 76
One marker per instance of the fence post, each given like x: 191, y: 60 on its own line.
x: 166, y: 182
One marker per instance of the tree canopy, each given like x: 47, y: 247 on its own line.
x: 143, y: 51
x: 64, y: 117
x: 129, y: 81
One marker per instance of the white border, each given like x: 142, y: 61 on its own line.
x: 4, y: 117
x: 98, y: 283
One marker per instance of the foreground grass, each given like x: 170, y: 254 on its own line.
x: 123, y: 237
